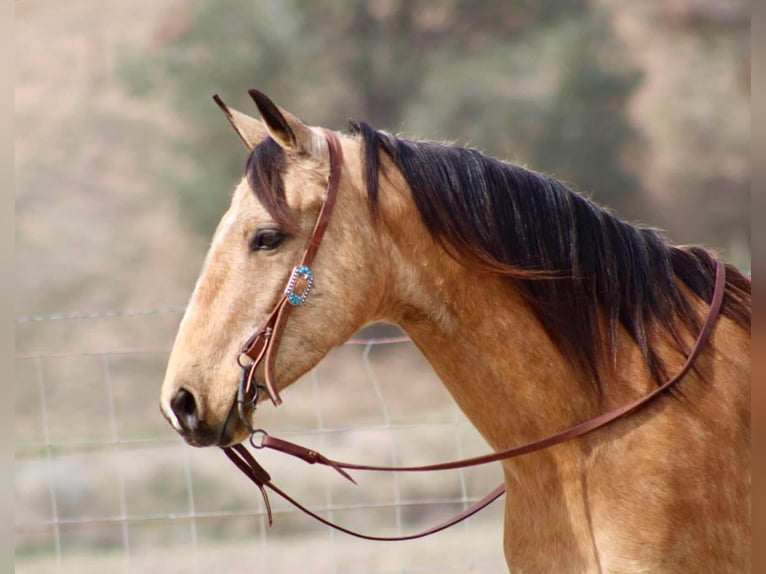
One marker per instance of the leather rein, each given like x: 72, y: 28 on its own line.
x: 262, y: 345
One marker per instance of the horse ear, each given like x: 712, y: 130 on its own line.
x: 251, y: 130
x: 287, y: 130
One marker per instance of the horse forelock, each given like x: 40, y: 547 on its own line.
x: 573, y: 260
x: 264, y: 172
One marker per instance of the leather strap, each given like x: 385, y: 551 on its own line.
x: 247, y: 463
x: 264, y: 342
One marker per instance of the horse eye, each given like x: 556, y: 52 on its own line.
x: 266, y: 239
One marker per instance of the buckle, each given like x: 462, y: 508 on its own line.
x: 292, y: 297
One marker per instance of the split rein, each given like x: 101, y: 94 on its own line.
x: 262, y: 346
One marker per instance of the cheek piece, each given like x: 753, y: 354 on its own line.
x: 262, y: 345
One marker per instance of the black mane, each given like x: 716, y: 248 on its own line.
x: 571, y: 258
x: 520, y: 223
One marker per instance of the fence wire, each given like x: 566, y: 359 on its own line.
x: 56, y: 524
x: 77, y: 315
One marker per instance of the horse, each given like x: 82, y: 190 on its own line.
x: 537, y: 309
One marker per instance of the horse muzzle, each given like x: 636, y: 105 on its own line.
x: 185, y: 413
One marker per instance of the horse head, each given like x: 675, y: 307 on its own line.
x: 259, y: 240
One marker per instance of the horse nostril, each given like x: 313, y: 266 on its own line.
x: 185, y: 408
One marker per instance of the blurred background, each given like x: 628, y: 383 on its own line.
x: 124, y: 165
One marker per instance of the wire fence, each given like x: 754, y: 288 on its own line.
x: 103, y: 483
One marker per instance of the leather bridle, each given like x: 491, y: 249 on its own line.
x: 263, y: 344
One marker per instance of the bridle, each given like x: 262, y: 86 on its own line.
x: 262, y: 346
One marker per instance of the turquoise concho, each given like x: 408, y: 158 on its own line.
x: 292, y: 297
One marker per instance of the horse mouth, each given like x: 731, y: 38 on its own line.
x: 228, y: 432
x: 222, y: 436
x: 201, y: 437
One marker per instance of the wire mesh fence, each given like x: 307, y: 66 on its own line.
x: 103, y: 483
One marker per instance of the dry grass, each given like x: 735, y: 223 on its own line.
x: 464, y: 549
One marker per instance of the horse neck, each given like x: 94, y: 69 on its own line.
x: 479, y: 334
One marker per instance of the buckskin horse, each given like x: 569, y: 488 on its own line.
x: 537, y: 309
